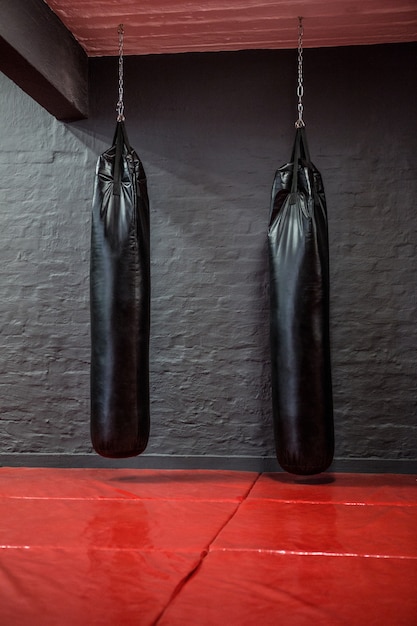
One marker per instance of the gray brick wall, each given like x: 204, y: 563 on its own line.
x: 211, y: 130
x: 45, y: 189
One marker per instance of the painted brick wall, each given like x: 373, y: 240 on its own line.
x: 45, y: 190
x: 211, y: 129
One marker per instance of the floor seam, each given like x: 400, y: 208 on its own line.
x: 233, y: 514
x: 307, y: 553
x: 401, y: 505
x: 183, y: 582
x: 204, y: 554
x: 125, y: 500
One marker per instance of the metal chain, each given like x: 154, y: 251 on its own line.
x: 300, y: 87
x: 120, y: 104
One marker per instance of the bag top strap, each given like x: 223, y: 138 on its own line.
x: 304, y: 145
x: 300, y: 152
x: 119, y: 141
x: 296, y: 160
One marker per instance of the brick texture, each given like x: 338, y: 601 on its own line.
x: 211, y: 129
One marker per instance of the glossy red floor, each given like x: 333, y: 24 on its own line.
x: 206, y: 548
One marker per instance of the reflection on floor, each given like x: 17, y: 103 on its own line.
x: 206, y: 548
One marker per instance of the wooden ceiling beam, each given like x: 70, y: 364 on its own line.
x: 43, y: 58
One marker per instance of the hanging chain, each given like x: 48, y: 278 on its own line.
x: 300, y: 87
x: 120, y: 104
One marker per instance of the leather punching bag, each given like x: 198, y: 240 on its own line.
x: 299, y: 317
x: 120, y: 302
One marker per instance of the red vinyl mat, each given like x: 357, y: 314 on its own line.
x: 206, y: 548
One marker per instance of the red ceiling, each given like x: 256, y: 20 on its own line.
x: 165, y: 26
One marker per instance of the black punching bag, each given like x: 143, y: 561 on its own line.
x: 120, y: 303
x: 299, y: 317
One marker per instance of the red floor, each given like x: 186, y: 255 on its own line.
x: 142, y: 547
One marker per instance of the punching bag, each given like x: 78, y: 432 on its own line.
x: 120, y: 302
x: 299, y: 316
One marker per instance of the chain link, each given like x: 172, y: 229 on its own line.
x: 300, y: 87
x: 120, y: 104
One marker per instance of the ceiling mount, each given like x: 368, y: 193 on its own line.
x: 45, y: 44
x: 168, y: 26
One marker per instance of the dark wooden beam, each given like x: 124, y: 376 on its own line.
x: 43, y: 58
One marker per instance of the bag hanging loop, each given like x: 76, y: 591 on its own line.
x: 300, y: 87
x: 120, y: 104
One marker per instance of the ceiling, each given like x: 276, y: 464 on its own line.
x: 167, y: 26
